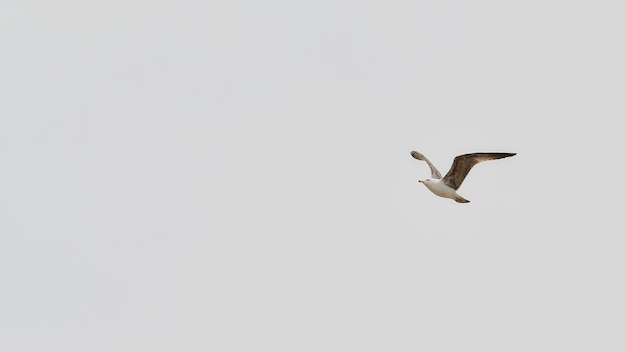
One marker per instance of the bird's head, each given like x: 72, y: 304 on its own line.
x: 424, y: 181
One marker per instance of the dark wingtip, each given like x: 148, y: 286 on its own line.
x: 506, y: 155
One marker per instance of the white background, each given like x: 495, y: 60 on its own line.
x: 235, y: 176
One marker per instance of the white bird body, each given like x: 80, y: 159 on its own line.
x: 439, y: 188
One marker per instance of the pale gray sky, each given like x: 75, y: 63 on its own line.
x: 235, y: 176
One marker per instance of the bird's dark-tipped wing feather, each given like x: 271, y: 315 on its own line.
x: 463, y: 164
x: 433, y: 170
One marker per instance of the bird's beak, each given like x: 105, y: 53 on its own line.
x: 420, y: 181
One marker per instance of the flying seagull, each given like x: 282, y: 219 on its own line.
x: 446, y: 187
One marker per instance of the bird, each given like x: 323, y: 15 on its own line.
x: 447, y: 186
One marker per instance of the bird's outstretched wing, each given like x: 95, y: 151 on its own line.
x: 433, y: 170
x: 463, y: 164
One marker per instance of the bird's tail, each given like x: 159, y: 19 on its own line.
x: 460, y: 199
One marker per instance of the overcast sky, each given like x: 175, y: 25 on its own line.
x: 235, y: 176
